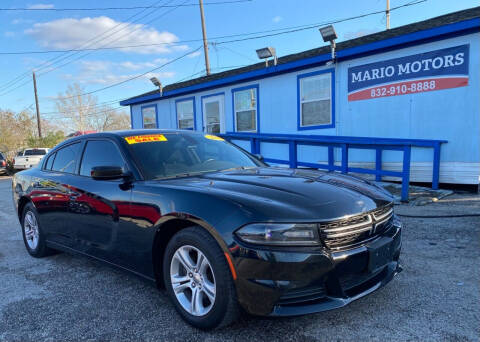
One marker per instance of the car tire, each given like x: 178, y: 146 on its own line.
x: 33, y: 235
x: 225, y: 309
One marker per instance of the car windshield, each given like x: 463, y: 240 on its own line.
x: 170, y: 155
x: 35, y: 152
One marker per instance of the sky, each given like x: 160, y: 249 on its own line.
x: 166, y: 38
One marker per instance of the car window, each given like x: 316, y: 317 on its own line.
x: 66, y: 159
x: 174, y: 155
x: 100, y: 153
x: 1, y: 156
x: 20, y: 154
x: 49, y: 163
x: 35, y: 152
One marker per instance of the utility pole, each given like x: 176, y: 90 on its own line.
x: 36, y: 105
x: 387, y: 12
x: 205, y: 43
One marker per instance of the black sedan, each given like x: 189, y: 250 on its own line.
x: 213, y: 224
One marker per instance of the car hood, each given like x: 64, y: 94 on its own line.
x: 288, y: 194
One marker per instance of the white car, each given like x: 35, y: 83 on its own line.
x: 28, y: 158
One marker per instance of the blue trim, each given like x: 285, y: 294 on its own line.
x: 332, y: 99
x: 156, y: 113
x: 432, y: 34
x: 131, y: 118
x: 211, y: 95
x: 251, y: 86
x: 192, y: 98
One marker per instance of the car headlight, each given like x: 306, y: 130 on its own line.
x: 280, y: 234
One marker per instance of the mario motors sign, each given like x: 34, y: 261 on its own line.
x: 434, y: 70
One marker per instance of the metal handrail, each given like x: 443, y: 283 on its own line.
x: 345, y: 143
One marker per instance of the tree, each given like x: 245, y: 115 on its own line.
x: 81, y: 112
x: 50, y: 140
x: 15, y: 128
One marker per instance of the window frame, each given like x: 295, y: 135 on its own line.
x: 185, y: 99
x: 332, y: 99
x: 77, y: 165
x: 84, y: 148
x: 47, y: 158
x: 257, y: 116
x: 156, y: 115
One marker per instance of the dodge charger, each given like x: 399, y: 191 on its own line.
x: 215, y: 226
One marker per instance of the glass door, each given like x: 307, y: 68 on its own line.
x: 213, y: 114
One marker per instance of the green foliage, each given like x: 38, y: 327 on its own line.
x: 50, y: 140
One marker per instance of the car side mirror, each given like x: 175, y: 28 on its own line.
x: 107, y: 172
x: 259, y: 157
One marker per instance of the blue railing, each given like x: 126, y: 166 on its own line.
x: 345, y: 143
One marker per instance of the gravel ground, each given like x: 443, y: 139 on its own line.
x: 72, y: 298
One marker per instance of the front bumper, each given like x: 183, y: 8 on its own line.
x: 279, y: 282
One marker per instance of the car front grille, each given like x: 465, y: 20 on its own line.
x: 357, y: 229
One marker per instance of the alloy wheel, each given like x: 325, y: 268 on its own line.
x: 193, y: 280
x: 30, y: 229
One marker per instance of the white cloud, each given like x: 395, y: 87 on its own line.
x: 107, y: 72
x: 41, y: 6
x: 194, y: 54
x: 71, y: 33
x: 21, y: 21
x: 9, y: 34
x: 277, y: 19
x: 142, y: 65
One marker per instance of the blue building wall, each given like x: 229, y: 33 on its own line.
x: 449, y: 114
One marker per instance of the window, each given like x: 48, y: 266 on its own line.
x: 100, y: 153
x: 315, y: 100
x: 49, y: 163
x: 185, y: 113
x: 35, y: 152
x: 149, y: 116
x: 66, y: 159
x: 245, y: 109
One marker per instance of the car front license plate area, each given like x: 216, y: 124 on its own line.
x: 380, y: 253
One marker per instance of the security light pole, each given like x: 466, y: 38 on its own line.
x: 205, y: 43
x: 36, y: 105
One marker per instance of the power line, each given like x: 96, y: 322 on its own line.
x: 286, y: 29
x: 300, y: 28
x: 87, y: 43
x: 81, y: 56
x: 94, y: 41
x: 137, y: 76
x: 119, y: 8
x: 324, y: 23
x: 62, y: 114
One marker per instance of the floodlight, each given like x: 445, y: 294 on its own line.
x: 267, y: 52
x: 157, y: 83
x: 328, y: 33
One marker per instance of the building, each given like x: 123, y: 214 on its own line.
x: 418, y: 81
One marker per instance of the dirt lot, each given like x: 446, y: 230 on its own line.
x: 71, y: 298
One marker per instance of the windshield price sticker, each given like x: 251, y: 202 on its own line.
x: 213, y: 137
x: 136, y: 139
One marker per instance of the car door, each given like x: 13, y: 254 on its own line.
x: 52, y: 193
x: 99, y: 209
